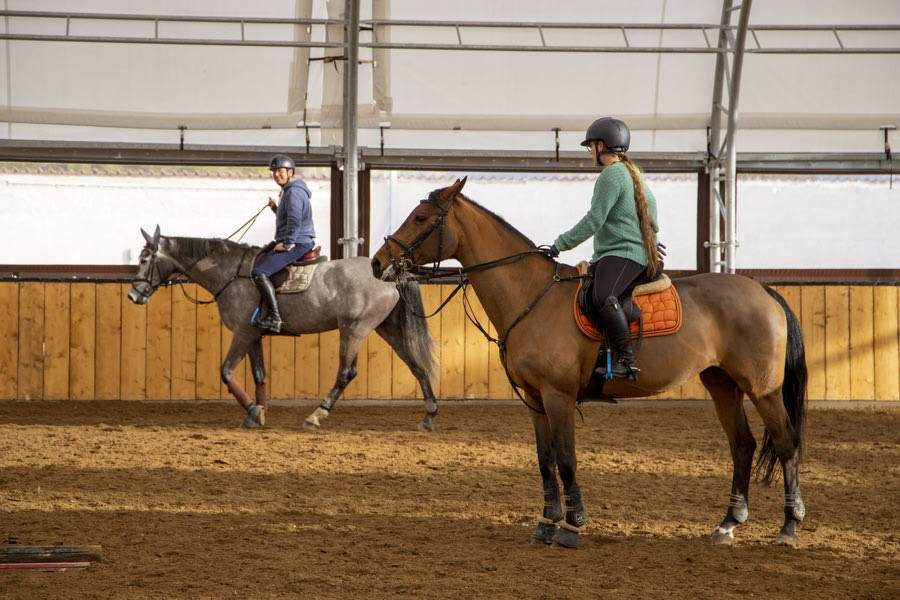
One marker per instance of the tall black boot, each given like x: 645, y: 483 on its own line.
x: 267, y: 291
x: 616, y: 327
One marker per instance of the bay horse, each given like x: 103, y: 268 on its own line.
x: 342, y: 294
x: 738, y: 335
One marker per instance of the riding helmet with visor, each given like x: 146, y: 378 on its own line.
x: 280, y: 161
x: 612, y: 132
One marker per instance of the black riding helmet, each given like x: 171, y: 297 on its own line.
x: 279, y: 161
x: 612, y: 132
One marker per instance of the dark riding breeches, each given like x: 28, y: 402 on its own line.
x: 273, y: 262
x: 612, y: 276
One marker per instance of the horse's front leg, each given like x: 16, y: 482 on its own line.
x: 349, y: 350
x: 553, y: 511
x: 238, y: 349
x: 561, y: 415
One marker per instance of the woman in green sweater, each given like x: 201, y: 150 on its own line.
x: 622, y: 221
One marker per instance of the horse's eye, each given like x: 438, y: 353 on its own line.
x: 419, y: 219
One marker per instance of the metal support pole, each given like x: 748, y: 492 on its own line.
x: 722, y: 159
x: 351, y: 241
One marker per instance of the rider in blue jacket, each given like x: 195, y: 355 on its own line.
x: 294, y: 234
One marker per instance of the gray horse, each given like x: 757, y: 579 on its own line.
x: 342, y: 295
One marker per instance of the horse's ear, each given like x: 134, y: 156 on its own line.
x: 152, y: 241
x: 455, y: 189
x: 147, y: 237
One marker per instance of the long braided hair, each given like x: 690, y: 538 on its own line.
x: 643, y: 214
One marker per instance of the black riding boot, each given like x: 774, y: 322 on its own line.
x: 267, y: 291
x: 616, y: 327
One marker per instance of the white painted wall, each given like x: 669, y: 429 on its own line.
x: 783, y: 222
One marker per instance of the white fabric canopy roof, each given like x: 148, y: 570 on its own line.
x: 229, y: 83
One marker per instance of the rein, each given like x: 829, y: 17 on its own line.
x: 406, y: 264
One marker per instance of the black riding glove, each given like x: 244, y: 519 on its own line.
x: 554, y: 251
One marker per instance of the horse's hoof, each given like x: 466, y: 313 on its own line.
x: 425, y: 427
x: 249, y: 423
x: 311, y: 424
x: 722, y: 537
x: 256, y: 416
x: 543, y: 533
x: 787, y: 539
x: 566, y: 536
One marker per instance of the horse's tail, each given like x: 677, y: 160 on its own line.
x: 417, y: 338
x: 793, y: 391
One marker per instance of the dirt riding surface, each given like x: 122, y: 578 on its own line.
x: 187, y: 506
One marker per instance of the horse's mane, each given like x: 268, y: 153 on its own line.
x: 191, y: 247
x: 434, y: 197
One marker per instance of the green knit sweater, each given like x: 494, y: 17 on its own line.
x: 612, y: 218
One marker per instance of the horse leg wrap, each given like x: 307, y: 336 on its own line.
x: 544, y: 532
x: 575, y: 515
x: 738, y: 509
x: 567, y: 536
x: 553, y: 510
x: 794, y: 507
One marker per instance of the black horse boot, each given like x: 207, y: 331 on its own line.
x: 273, y: 319
x: 616, y: 328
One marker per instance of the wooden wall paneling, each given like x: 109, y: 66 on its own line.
x: 862, y: 343
x: 378, y: 359
x: 477, y: 353
x: 134, y: 348
x: 83, y: 341
x: 306, y: 367
x: 329, y: 348
x: 31, y: 341
x: 887, y: 342
x: 209, y: 348
x: 431, y: 300
x: 159, y: 344
x: 109, y: 342
x: 837, y: 342
x: 9, y: 339
x: 693, y: 389
x: 453, y: 360
x: 281, y: 368
x: 184, y: 344
x: 56, y: 340
x: 812, y: 321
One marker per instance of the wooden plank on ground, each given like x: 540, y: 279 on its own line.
x: 159, y: 345
x: 31, y: 341
x: 184, y: 344
x: 453, y: 359
x: 281, y: 368
x: 837, y: 342
x: 82, y: 341
x: 886, y: 343
x: 49, y: 554
x: 812, y: 321
x: 134, y: 348
x: 9, y: 333
x: 862, y: 343
x: 477, y: 350
x: 209, y: 348
x: 379, y: 356
x: 108, y: 367
x: 306, y: 367
x: 56, y: 340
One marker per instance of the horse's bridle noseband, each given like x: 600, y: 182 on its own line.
x: 406, y: 261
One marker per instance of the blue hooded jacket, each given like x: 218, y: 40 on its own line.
x: 293, y: 218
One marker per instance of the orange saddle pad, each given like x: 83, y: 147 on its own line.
x: 661, y: 310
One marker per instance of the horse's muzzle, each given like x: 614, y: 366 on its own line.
x: 137, y: 297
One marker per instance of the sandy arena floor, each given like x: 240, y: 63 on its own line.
x: 187, y: 506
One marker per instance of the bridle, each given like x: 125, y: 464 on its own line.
x: 151, y: 287
x: 405, y: 263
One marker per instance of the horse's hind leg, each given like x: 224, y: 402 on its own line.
x: 392, y: 334
x: 256, y: 411
x: 728, y: 399
x: 553, y: 511
x: 349, y: 351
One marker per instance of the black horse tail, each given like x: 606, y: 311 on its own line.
x: 417, y: 338
x: 793, y: 392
